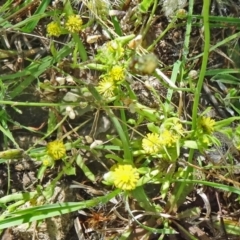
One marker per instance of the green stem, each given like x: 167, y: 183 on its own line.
x: 170, y: 26
x: 206, y: 4
x: 37, y: 104
x: 149, y: 22
x: 188, y: 32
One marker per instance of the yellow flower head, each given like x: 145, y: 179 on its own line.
x: 167, y: 138
x: 106, y: 87
x: 56, y: 149
x: 117, y: 73
x: 207, y: 124
x: 53, y: 29
x: 151, y: 143
x: 74, y: 24
x: 125, y: 177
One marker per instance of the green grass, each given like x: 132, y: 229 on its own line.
x: 125, y: 146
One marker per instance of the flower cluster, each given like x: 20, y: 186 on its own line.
x: 74, y: 24
x: 53, y: 29
x: 56, y: 149
x: 110, y: 80
x: 155, y: 143
x: 125, y: 177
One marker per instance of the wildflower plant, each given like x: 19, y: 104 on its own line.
x: 73, y: 24
x: 111, y: 55
x: 143, y: 148
x: 165, y: 140
x: 204, y: 132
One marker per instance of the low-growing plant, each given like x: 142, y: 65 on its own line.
x: 147, y: 144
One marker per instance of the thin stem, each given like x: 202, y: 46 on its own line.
x: 37, y: 104
x: 149, y: 22
x: 206, y: 5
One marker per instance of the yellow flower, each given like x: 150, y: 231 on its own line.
x: 125, y: 177
x: 106, y: 87
x: 74, y: 23
x: 207, y: 124
x: 167, y: 138
x: 151, y: 143
x: 56, y: 149
x: 117, y: 73
x: 53, y: 29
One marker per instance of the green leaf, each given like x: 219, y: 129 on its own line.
x: 41, y: 9
x: 70, y: 170
x: 41, y: 212
x: 212, y: 184
x: 114, y: 157
x: 8, y: 134
x: 145, y: 5
x: 190, y: 144
x: 153, y: 128
x: 85, y: 169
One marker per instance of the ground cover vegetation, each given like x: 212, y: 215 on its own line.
x: 119, y: 119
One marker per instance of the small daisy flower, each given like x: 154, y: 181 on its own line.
x: 117, y: 73
x: 74, y: 23
x: 207, y: 124
x: 125, y: 177
x: 151, y: 143
x: 106, y: 87
x: 56, y: 149
x: 53, y: 29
